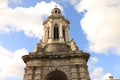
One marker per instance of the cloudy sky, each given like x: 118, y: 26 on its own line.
x: 94, y: 25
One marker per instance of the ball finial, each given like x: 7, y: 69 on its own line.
x: 55, y: 6
x: 56, y: 11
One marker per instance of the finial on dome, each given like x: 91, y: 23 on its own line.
x: 56, y: 11
x: 56, y: 6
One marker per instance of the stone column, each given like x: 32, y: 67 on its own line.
x: 44, y: 35
x: 38, y: 73
x: 61, y: 32
x: 74, y: 72
x: 50, y: 32
x: 67, y: 34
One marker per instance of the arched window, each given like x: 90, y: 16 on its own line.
x: 64, y: 34
x: 56, y: 32
x: 48, y: 33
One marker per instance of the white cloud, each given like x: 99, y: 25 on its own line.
x: 101, y: 24
x: 3, y: 4
x: 11, y: 64
x: 28, y: 20
x: 92, y: 62
x: 106, y: 76
x: 73, y: 2
x: 97, y: 72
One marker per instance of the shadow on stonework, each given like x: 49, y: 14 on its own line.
x: 56, y: 75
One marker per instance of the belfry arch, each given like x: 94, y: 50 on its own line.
x: 56, y: 32
x: 56, y: 75
x: 63, y: 33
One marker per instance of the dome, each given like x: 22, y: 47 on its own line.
x: 56, y: 11
x: 56, y: 47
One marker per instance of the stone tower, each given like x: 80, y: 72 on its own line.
x: 56, y: 57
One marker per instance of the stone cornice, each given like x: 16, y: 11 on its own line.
x: 33, y: 56
x: 56, y: 17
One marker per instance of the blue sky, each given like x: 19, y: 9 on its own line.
x: 94, y: 26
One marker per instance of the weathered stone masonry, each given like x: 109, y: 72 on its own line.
x: 56, y: 57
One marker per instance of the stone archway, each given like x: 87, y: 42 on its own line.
x: 56, y: 75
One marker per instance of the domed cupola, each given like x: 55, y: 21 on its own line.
x: 56, y: 11
x: 56, y: 28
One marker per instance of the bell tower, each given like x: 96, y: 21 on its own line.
x: 56, y: 28
x: 56, y: 57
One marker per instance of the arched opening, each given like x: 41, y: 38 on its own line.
x: 64, y: 34
x: 56, y: 75
x: 48, y: 33
x: 56, y: 32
